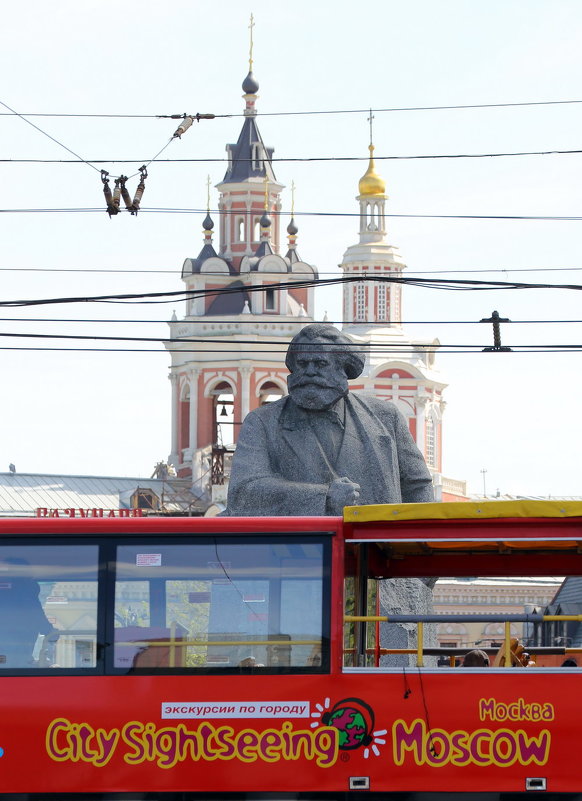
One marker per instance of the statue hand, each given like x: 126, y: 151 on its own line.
x: 342, y: 492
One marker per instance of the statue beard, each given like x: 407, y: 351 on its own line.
x: 315, y: 394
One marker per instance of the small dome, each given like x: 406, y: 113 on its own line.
x: 292, y: 228
x: 208, y: 223
x: 370, y: 182
x: 250, y: 85
x: 265, y: 221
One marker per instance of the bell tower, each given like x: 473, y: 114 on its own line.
x: 398, y: 368
x: 228, y: 349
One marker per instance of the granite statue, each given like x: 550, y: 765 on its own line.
x: 322, y: 447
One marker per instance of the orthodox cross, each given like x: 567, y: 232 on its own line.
x: 370, y: 120
x: 251, y: 26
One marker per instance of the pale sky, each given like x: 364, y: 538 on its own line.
x: 514, y: 415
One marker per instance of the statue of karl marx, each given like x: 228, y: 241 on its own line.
x: 322, y: 447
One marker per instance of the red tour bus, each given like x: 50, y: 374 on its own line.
x: 242, y: 658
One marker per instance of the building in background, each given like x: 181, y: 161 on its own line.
x: 46, y: 495
x: 398, y: 368
x: 566, y: 634
x: 238, y: 359
x: 249, y: 294
x: 489, y: 596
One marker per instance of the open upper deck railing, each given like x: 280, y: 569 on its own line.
x: 488, y: 538
x: 509, y: 642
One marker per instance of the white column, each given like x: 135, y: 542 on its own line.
x: 421, y: 402
x: 174, y: 456
x: 256, y: 297
x: 311, y: 303
x: 245, y: 398
x: 381, y: 216
x: 362, y: 216
x: 282, y: 301
x: 193, y: 444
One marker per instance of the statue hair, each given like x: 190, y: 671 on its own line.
x: 340, y: 345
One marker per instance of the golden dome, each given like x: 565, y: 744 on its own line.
x: 370, y: 182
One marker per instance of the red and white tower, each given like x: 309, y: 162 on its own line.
x: 398, y: 368
x: 228, y: 352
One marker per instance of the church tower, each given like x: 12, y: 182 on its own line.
x: 398, y: 368
x: 228, y: 351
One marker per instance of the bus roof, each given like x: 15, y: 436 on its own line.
x: 465, y: 510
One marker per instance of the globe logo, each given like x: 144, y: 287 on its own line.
x: 351, y: 726
x: 354, y: 720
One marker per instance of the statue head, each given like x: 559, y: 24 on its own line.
x: 321, y: 360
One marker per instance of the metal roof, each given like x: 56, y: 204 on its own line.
x: 21, y: 494
x: 245, y: 164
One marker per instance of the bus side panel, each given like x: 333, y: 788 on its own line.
x: 447, y: 731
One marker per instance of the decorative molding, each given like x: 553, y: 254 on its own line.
x: 215, y: 379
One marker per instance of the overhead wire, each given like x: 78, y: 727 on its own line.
x: 412, y: 352
x: 178, y: 271
x: 146, y: 210
x: 305, y: 159
x: 375, y: 347
x: 447, y: 284
x: 44, y: 133
x: 393, y: 109
x: 299, y: 321
x: 79, y: 158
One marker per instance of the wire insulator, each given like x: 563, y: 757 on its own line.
x: 117, y: 194
x: 111, y: 208
x: 183, y: 127
x: 139, y: 191
x: 124, y: 193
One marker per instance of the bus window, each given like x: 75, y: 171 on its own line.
x: 217, y: 604
x: 48, y: 606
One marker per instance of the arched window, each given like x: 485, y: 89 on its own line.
x: 269, y: 392
x: 256, y: 156
x: 382, y: 305
x: 223, y: 416
x: 184, y: 418
x: 360, y: 314
x: 430, y: 440
x: 240, y: 229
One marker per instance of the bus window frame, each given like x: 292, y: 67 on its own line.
x: 152, y: 538
x: 106, y: 544
x: 28, y: 540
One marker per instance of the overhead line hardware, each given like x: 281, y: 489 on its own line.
x: 495, y: 320
x: 113, y: 199
x: 187, y: 120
